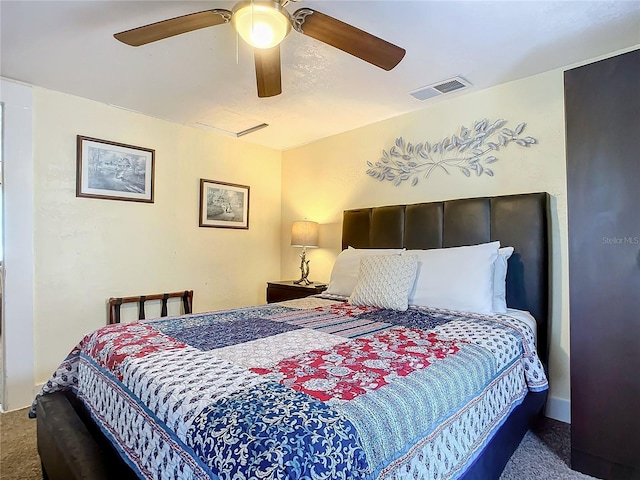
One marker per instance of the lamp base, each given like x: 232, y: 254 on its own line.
x: 304, y: 269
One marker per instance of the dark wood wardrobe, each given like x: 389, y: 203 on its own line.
x: 602, y: 109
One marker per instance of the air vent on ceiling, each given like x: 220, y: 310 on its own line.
x: 239, y: 133
x: 230, y: 123
x: 440, y: 88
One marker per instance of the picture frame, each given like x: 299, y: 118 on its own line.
x: 114, y: 171
x: 223, y: 205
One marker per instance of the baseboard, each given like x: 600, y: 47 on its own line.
x: 36, y: 391
x: 559, y: 409
x: 37, y: 388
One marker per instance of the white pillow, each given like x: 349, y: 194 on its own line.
x: 499, y: 280
x: 385, y: 281
x: 457, y: 278
x: 347, y: 267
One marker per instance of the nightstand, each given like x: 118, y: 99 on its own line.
x: 287, y: 290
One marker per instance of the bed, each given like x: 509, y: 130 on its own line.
x: 331, y: 386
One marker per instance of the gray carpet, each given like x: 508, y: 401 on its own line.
x: 543, y: 453
x: 18, y: 452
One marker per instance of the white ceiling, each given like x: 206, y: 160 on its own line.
x: 195, y: 78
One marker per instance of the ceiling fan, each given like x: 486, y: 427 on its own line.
x: 264, y: 24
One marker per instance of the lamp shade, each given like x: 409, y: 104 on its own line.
x: 261, y: 24
x: 304, y: 234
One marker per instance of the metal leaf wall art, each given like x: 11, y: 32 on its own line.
x: 470, y: 151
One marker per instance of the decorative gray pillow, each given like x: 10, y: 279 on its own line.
x: 385, y: 281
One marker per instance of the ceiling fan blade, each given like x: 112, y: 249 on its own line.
x: 173, y: 26
x: 347, y: 38
x: 268, y: 76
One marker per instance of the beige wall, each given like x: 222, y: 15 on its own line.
x: 87, y: 250
x: 322, y: 179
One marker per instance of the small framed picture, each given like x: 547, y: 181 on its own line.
x: 114, y: 171
x: 223, y: 205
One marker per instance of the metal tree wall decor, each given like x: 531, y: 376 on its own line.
x: 469, y: 151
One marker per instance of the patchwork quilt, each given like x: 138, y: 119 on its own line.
x: 307, y: 389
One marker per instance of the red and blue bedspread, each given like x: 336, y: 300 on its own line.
x: 313, y: 388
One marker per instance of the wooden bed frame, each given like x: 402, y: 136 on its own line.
x: 72, y: 447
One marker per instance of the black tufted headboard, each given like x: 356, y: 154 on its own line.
x: 520, y: 221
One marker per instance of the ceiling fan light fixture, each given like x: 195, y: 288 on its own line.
x: 261, y: 24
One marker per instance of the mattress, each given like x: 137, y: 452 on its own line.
x: 310, y: 388
x: 524, y: 317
